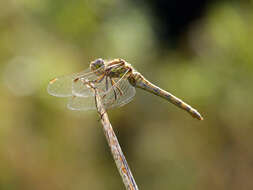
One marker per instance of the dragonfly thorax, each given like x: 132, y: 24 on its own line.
x: 118, y: 72
x: 117, y: 68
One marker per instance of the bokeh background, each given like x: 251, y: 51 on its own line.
x: 201, y: 51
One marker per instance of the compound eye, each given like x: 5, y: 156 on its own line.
x: 97, y: 64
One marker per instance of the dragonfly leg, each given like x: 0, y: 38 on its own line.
x: 114, y: 84
x: 76, y: 79
x: 107, y: 87
x: 106, y: 83
x: 91, y: 85
x: 115, y: 94
x: 100, y: 79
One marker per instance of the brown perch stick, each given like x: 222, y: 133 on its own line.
x: 113, y: 143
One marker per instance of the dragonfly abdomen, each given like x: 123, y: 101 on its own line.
x: 139, y: 81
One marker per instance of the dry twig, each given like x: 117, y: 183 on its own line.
x: 116, y: 151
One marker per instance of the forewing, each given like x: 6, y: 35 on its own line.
x: 118, y: 95
x: 80, y: 85
x: 123, y: 96
x: 65, y: 86
x: 61, y: 86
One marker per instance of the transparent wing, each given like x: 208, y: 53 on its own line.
x: 119, y: 94
x: 60, y: 86
x: 64, y: 86
x: 81, y: 103
x: 81, y: 88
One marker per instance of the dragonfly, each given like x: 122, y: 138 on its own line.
x: 115, y: 81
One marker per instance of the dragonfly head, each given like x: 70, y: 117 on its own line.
x: 97, y: 64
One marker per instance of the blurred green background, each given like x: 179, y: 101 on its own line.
x: 45, y: 146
